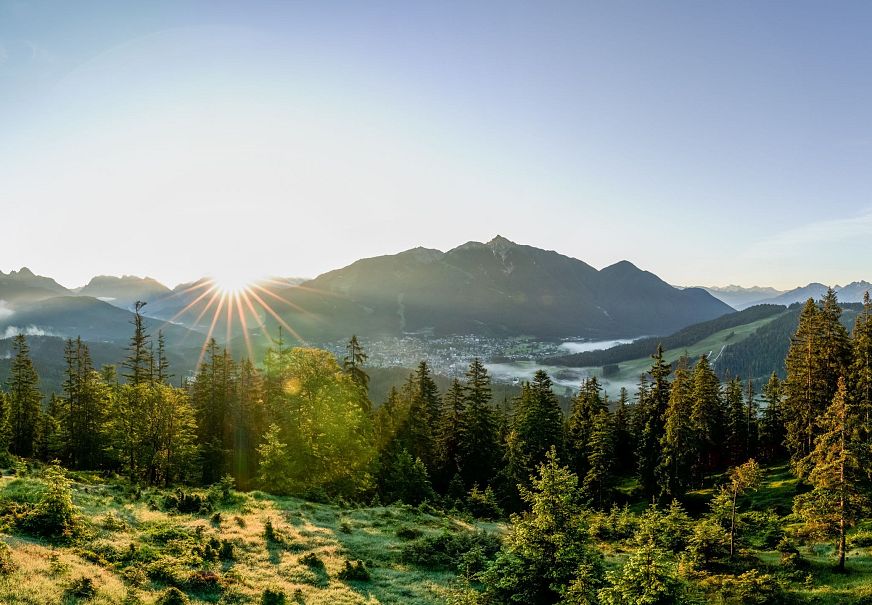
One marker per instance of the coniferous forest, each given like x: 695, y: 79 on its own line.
x: 688, y: 490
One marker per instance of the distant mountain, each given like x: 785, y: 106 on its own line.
x: 124, y: 291
x: 497, y: 288
x: 24, y: 286
x: 851, y: 293
x: 741, y: 298
x: 92, y: 319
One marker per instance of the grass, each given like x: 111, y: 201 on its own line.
x: 133, y: 550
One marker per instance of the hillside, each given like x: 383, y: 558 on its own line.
x: 124, y: 291
x: 498, y: 288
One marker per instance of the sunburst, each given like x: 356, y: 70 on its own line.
x: 241, y: 301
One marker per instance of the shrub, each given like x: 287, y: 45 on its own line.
x: 203, y: 581
x: 227, y: 552
x: 269, y: 532
x: 7, y: 565
x: 483, y: 504
x: 312, y: 560
x: 81, y: 588
x: 445, y: 551
x: 134, y: 576
x: 354, y: 572
x: 345, y: 527
x: 172, y: 596
x: 749, y: 588
x: 187, y: 502
x: 54, y: 515
x: 272, y: 596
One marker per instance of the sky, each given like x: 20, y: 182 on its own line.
x: 708, y: 142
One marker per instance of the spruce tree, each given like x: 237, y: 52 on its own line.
x: 623, y: 434
x: 772, y: 421
x: 24, y: 399
x: 479, y: 447
x: 586, y: 406
x: 352, y: 364
x: 599, y: 480
x: 819, y: 353
x: 448, y: 436
x: 707, y: 419
x: 653, y: 401
x: 736, y: 423
x: 679, y: 443
x: 835, y: 470
x: 860, y: 383
x: 139, y: 362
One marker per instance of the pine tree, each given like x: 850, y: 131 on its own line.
x: 835, y: 469
x: 448, y: 436
x: 653, y: 401
x: 623, y: 434
x: 537, y: 425
x: 679, y: 444
x: 860, y: 383
x: 85, y: 403
x: 139, y: 362
x: 599, y: 479
x: 752, y: 409
x: 586, y: 406
x: 818, y: 354
x: 772, y: 421
x: 479, y: 446
x: 161, y: 363
x: 707, y: 419
x: 547, y: 550
x: 736, y: 423
x: 742, y: 478
x: 24, y: 399
x: 5, y: 428
x: 352, y: 364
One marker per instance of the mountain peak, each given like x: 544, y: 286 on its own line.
x: 24, y: 272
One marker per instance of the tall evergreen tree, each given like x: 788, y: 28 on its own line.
x: 139, y: 363
x: 586, y: 406
x: 835, y: 469
x: 479, y: 446
x: 652, y: 405
x: 623, y: 434
x: 860, y: 382
x: 772, y: 421
x: 598, y: 482
x: 448, y: 438
x: 352, y: 364
x: 736, y: 425
x: 707, y: 419
x: 679, y: 443
x: 24, y: 399
x: 819, y: 353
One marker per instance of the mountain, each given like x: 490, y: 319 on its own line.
x: 124, y: 291
x: 850, y: 293
x: 92, y: 319
x: 23, y: 286
x: 741, y: 298
x: 498, y: 288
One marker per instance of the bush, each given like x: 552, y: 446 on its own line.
x: 483, y: 504
x: 750, y: 588
x: 312, y: 560
x: 227, y: 552
x: 81, y: 588
x: 203, y: 581
x: 354, y: 572
x: 345, y: 527
x: 187, y: 502
x: 272, y: 596
x: 54, y: 515
x: 172, y: 596
x: 445, y: 551
x: 7, y: 565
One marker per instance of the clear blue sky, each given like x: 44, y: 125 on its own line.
x: 709, y: 142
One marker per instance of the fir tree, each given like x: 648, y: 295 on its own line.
x: 537, y: 426
x: 835, y: 470
x: 24, y: 399
x: 599, y: 479
x: 772, y: 421
x: 352, y: 364
x: 736, y: 423
x: 679, y: 443
x: 479, y: 446
x: 586, y: 406
x: 653, y: 402
x: 707, y: 419
x: 448, y: 436
x: 139, y: 362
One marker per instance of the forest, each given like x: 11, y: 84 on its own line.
x: 689, y: 490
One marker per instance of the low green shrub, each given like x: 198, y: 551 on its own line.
x: 272, y: 596
x: 312, y: 560
x: 445, y: 551
x: 354, y: 572
x: 173, y: 596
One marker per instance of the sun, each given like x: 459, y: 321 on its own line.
x: 232, y: 281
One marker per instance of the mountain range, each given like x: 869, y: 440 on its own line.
x: 498, y: 288
x: 742, y: 298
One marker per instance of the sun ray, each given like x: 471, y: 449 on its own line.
x: 281, y: 321
x: 188, y: 306
x: 244, y: 324
x: 284, y: 300
x: 211, y: 329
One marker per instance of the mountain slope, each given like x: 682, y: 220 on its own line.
x: 496, y: 288
x: 124, y: 291
x: 23, y: 286
x: 741, y: 298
